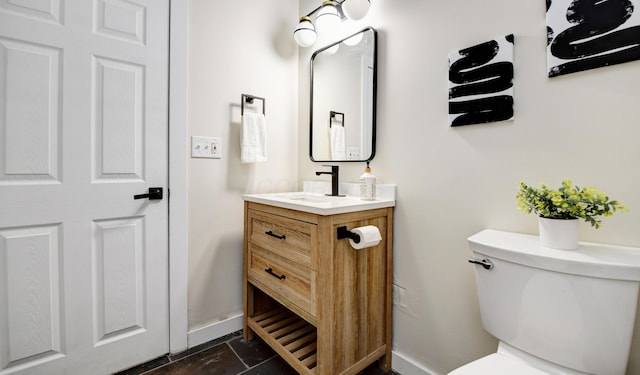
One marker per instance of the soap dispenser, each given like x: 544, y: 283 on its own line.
x: 367, y: 185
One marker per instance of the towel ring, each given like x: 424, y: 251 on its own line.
x: 245, y: 98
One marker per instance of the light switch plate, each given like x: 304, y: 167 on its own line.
x: 206, y: 147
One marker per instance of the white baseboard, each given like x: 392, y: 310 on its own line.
x: 214, y: 331
x: 407, y: 366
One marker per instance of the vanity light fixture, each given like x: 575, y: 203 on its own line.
x: 328, y: 17
x: 355, y: 9
x: 354, y: 39
x: 305, y: 34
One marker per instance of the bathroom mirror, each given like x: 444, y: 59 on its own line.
x: 343, y: 99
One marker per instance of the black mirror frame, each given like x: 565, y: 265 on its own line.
x: 374, y: 98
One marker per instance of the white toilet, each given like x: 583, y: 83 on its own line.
x: 560, y: 312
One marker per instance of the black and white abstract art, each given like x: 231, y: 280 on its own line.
x: 481, y: 83
x: 589, y: 34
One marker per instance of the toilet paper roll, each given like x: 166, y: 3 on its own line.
x: 369, y: 236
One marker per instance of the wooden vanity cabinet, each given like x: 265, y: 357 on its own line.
x: 321, y: 305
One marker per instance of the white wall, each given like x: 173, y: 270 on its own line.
x: 453, y: 182
x: 235, y: 47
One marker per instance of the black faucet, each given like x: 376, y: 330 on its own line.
x: 334, y: 180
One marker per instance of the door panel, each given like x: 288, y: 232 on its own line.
x: 45, y: 10
x: 30, y: 293
x: 30, y: 105
x: 118, y: 113
x: 83, y: 128
x: 121, y: 19
x: 119, y: 275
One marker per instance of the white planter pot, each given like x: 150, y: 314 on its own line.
x: 558, y: 233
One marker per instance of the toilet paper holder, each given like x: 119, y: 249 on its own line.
x: 344, y: 233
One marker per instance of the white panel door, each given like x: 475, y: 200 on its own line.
x: 83, y: 128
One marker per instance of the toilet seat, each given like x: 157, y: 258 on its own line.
x: 496, y: 364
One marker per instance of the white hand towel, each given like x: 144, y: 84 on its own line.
x: 338, y: 149
x: 253, y: 143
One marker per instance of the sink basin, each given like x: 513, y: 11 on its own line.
x: 318, y: 203
x: 313, y: 198
x: 310, y: 199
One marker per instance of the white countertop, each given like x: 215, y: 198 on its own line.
x: 313, y: 199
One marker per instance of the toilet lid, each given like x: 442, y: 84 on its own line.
x: 496, y: 364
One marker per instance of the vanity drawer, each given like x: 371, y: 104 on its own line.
x: 294, y: 283
x: 289, y: 238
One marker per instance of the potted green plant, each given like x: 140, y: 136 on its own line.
x: 559, y: 210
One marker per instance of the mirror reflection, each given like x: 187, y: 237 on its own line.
x: 343, y: 99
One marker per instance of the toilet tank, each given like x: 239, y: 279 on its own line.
x: 575, y: 308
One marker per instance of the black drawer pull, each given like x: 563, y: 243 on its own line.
x: 270, y: 233
x: 270, y: 272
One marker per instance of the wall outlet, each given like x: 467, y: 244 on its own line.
x: 216, y: 148
x: 401, y: 299
x: 395, y: 294
x: 206, y: 147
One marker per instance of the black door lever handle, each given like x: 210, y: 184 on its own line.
x: 154, y: 193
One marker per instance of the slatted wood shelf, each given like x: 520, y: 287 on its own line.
x: 290, y: 336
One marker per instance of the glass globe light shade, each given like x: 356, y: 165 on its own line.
x: 352, y: 41
x: 305, y: 33
x: 355, y: 9
x: 328, y: 17
x: 332, y: 50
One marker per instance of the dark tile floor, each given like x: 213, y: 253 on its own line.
x: 229, y: 355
